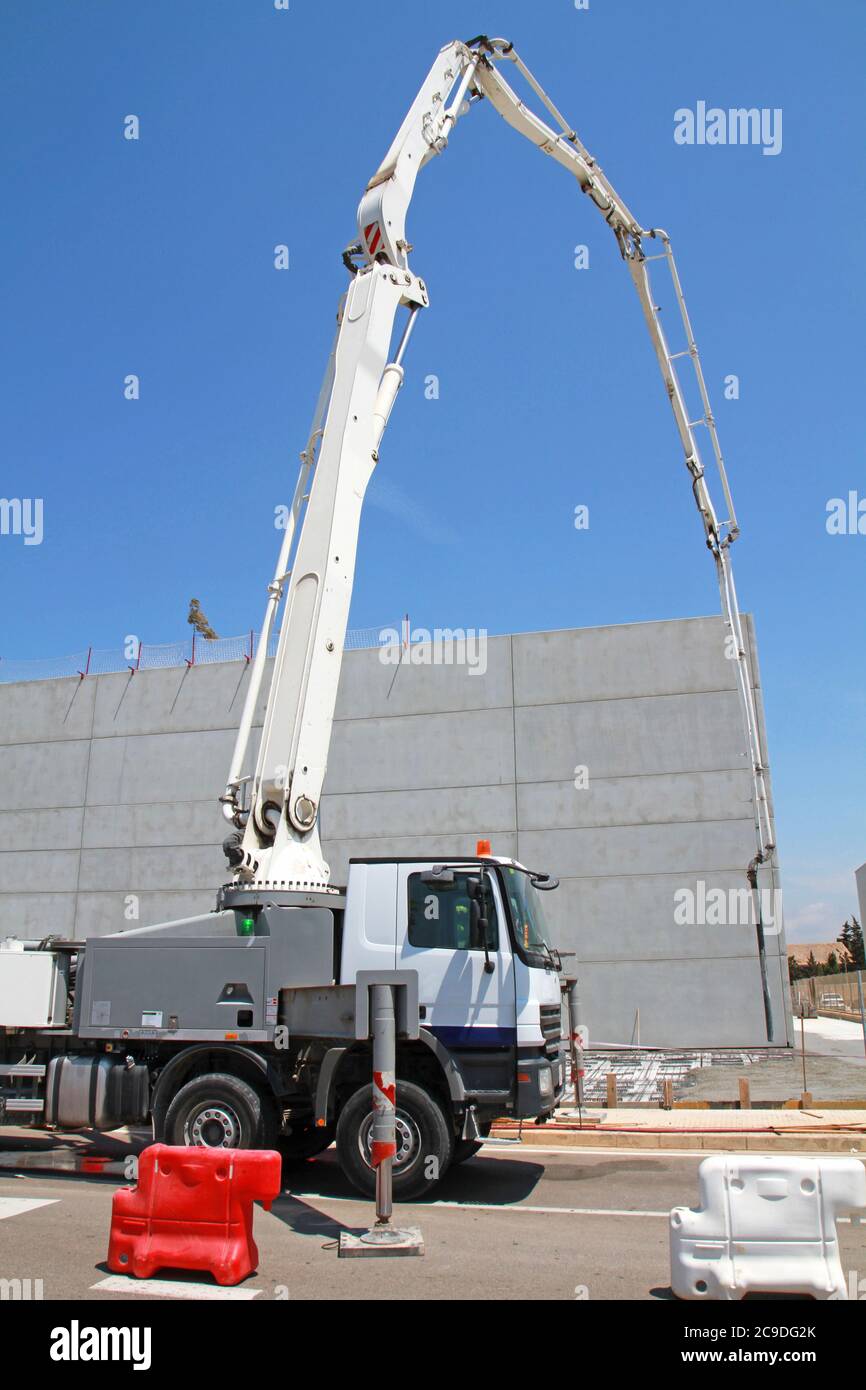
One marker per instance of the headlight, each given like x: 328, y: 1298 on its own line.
x: 545, y: 1081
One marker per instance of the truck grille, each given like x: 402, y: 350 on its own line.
x: 551, y: 1028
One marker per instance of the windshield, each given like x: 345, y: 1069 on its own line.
x: 527, y: 913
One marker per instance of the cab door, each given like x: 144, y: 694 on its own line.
x: 463, y: 1005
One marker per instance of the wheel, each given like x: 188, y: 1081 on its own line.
x: 465, y: 1148
x: 425, y: 1143
x: 304, y: 1143
x: 220, y: 1111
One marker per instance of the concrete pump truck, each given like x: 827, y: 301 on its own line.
x: 248, y: 1026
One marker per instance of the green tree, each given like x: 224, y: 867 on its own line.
x: 198, y: 620
x: 851, y: 938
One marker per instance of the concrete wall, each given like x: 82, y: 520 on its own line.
x: 111, y: 786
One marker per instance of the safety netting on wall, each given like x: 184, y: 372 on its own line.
x: 144, y: 656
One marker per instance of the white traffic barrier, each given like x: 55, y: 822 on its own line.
x: 765, y: 1224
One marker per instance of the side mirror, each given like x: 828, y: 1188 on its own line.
x: 438, y: 877
x: 479, y: 923
x: 545, y: 883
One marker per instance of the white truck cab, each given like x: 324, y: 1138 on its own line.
x: 474, y: 930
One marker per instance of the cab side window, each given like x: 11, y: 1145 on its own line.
x: 441, y: 916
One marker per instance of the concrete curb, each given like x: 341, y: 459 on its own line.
x: 62, y: 1161
x: 800, y: 1141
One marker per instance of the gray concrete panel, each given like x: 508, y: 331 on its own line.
x: 635, y: 917
x: 484, y: 812
x: 159, y: 767
x: 471, y: 677
x: 34, y: 775
x: 637, y: 659
x: 59, y: 828
x: 671, y: 1003
x: 36, y: 711
x: 152, y: 823
x: 619, y: 738
x: 642, y: 849
x: 461, y: 749
x: 635, y: 800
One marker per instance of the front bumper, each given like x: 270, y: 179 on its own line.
x: 540, y: 1084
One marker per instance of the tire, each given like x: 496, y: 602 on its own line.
x: 423, y: 1133
x: 303, y: 1144
x: 465, y: 1148
x: 219, y: 1110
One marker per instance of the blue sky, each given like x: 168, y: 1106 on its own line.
x: 260, y: 127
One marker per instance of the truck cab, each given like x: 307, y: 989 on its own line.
x: 489, y: 997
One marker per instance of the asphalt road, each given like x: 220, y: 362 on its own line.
x: 513, y: 1223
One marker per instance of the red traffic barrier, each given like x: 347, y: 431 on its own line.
x: 192, y: 1209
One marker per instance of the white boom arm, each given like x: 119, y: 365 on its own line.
x: 280, y: 846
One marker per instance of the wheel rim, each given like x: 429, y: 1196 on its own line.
x: 407, y: 1134
x: 213, y: 1127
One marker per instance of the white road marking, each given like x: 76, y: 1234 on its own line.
x: 173, y: 1288
x: 14, y: 1206
x: 513, y: 1207
x: 555, y: 1211
x: 484, y: 1206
